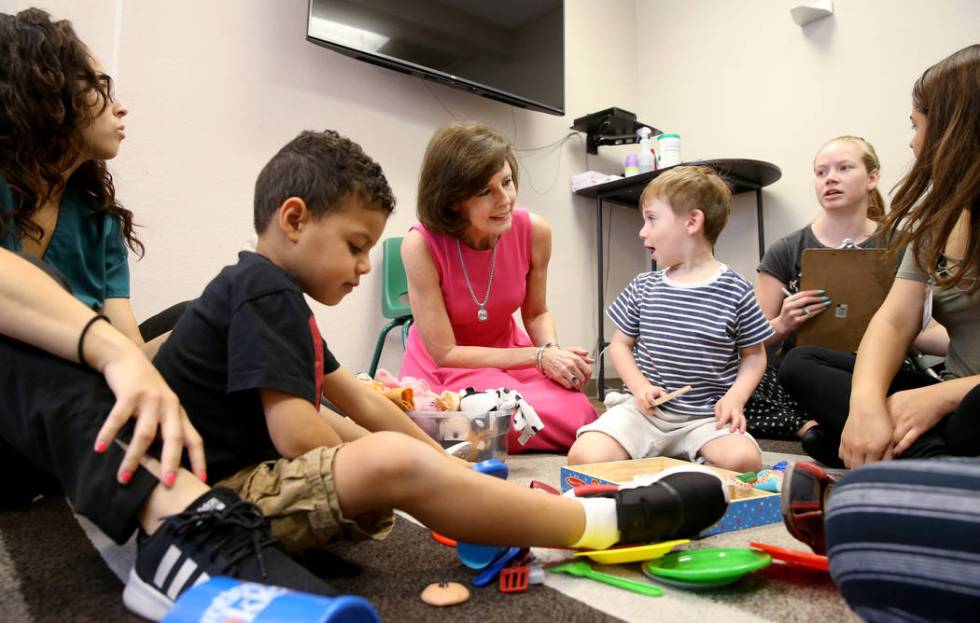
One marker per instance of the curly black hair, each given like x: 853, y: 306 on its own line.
x: 322, y: 169
x: 46, y: 82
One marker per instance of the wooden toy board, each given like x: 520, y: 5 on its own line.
x: 748, y: 508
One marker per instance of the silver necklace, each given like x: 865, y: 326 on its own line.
x: 481, y: 312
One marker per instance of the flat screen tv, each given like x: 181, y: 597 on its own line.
x: 508, y: 50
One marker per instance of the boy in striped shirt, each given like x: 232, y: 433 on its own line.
x: 693, y: 322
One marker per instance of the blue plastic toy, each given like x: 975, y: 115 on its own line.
x: 479, y: 556
x: 228, y: 599
x: 493, y: 467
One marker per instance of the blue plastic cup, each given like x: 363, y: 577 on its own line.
x: 480, y: 556
x: 228, y: 599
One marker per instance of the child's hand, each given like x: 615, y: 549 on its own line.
x: 728, y: 412
x: 646, y: 397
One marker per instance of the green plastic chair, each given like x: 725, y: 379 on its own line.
x: 394, y: 286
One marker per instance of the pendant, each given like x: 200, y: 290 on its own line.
x: 482, y: 314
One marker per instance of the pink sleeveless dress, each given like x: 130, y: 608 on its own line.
x: 561, y: 410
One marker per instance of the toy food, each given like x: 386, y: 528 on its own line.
x: 443, y: 594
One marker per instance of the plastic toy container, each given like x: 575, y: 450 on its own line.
x: 485, y: 432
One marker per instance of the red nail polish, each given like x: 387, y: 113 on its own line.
x: 125, y: 477
x: 100, y: 446
x: 169, y: 479
x: 203, y: 476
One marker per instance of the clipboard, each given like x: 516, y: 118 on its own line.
x: 857, y: 282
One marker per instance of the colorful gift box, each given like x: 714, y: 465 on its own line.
x: 749, y: 507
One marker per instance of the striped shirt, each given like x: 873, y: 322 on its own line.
x: 690, y: 334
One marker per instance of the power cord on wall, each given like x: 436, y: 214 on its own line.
x: 546, y: 150
x: 550, y: 147
x: 428, y: 88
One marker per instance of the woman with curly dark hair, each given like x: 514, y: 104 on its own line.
x: 82, y: 409
x: 59, y: 123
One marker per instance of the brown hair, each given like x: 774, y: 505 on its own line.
x: 876, y: 203
x: 46, y: 83
x: 322, y: 169
x: 459, y: 161
x: 945, y: 178
x: 694, y: 188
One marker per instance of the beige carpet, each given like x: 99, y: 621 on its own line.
x: 777, y: 593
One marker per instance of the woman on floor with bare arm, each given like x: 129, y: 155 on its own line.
x: 475, y: 259
x: 877, y: 410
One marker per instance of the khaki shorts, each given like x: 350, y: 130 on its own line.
x: 299, y: 499
x: 662, y: 434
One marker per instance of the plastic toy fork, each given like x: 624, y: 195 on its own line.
x: 514, y: 579
x: 493, y: 570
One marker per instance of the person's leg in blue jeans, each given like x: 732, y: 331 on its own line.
x: 903, y: 539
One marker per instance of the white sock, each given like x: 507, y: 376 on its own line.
x: 601, y: 528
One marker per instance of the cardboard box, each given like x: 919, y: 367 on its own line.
x: 747, y: 509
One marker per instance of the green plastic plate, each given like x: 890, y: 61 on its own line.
x: 708, y: 565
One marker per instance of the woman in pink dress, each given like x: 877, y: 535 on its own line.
x: 472, y: 262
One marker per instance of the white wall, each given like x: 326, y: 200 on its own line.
x: 215, y: 88
x: 742, y: 80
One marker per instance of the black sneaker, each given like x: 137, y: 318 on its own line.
x: 820, y: 446
x: 218, y: 534
x: 677, y: 503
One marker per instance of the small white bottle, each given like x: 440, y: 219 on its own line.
x: 645, y: 160
x: 668, y: 150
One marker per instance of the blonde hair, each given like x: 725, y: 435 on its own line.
x: 694, y: 188
x: 459, y: 161
x: 876, y: 203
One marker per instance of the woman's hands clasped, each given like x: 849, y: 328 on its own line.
x: 868, y: 435
x: 913, y: 412
x: 569, y: 367
x: 883, y: 432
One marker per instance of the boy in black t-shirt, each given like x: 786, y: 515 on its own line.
x: 249, y: 365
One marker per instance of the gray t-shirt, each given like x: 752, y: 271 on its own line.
x: 784, y: 259
x: 958, y: 311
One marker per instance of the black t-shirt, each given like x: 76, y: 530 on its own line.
x: 250, y: 329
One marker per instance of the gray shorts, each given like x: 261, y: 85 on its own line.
x: 662, y: 434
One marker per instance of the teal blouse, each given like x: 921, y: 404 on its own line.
x: 88, y: 249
